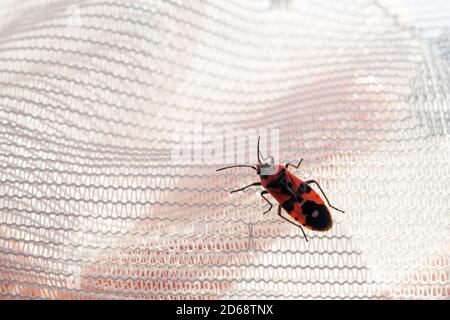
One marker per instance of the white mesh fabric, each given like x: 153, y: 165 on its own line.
x: 93, y: 206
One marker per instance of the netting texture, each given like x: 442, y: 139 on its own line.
x: 93, y: 204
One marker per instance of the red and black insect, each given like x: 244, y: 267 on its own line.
x: 295, y: 196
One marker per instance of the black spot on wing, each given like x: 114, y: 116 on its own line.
x: 283, y: 188
x: 304, y: 188
x: 280, y: 182
x: 317, y: 216
x: 288, y: 205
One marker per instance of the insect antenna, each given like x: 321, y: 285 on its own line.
x: 258, y: 152
x: 236, y: 166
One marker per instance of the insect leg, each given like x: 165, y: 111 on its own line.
x: 250, y: 185
x: 295, y: 224
x: 295, y: 166
x: 317, y: 184
x: 270, y: 203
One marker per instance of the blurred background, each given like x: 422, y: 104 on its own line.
x: 95, y: 95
